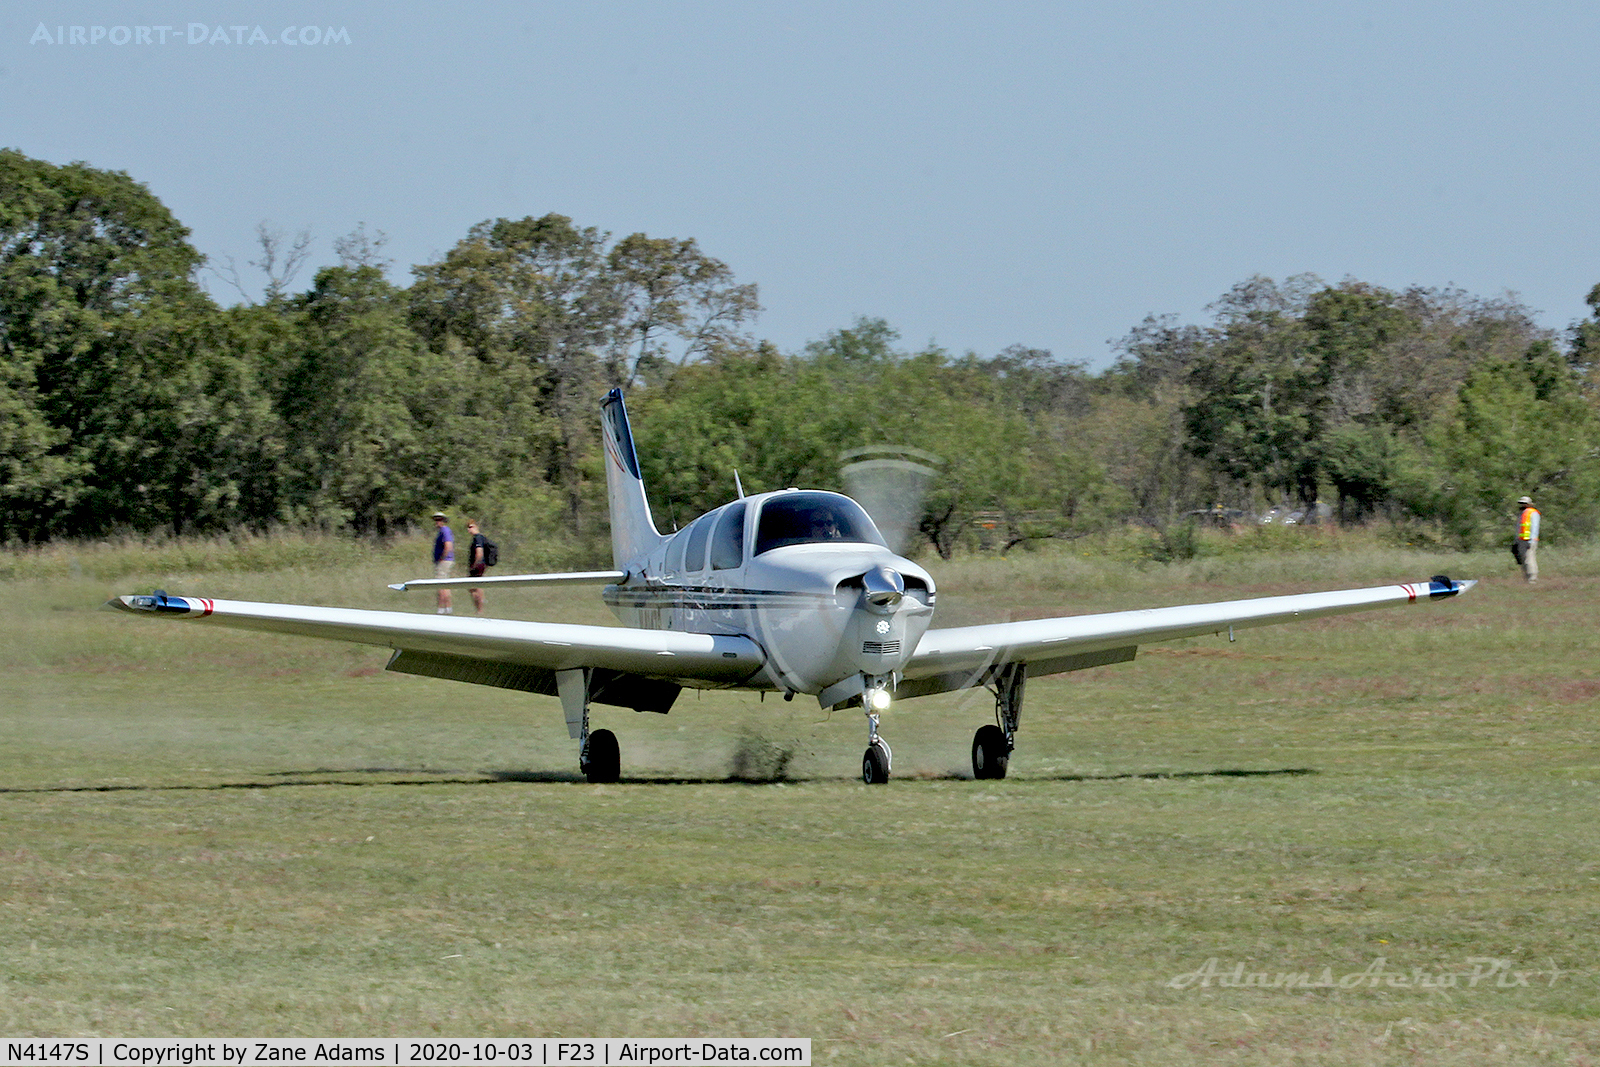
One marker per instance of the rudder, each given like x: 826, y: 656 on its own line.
x: 633, y: 531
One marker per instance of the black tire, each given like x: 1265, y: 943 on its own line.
x: 875, y: 765
x: 605, y: 758
x: 990, y: 753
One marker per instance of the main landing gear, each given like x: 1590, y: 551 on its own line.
x: 599, y: 758
x: 992, y: 744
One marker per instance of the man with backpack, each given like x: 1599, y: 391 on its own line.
x: 482, y: 554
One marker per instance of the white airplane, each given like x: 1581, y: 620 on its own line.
x: 792, y: 591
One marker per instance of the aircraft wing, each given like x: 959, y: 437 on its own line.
x: 966, y: 656
x: 503, y: 580
x: 629, y: 667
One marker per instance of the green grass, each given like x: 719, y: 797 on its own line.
x: 215, y: 833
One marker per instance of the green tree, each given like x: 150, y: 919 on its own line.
x: 1002, y: 431
x: 556, y: 306
x: 1156, y: 354
x: 1521, y: 427
x: 1257, y: 391
x: 35, y: 479
x: 381, y: 434
x: 1137, y: 427
x: 1585, y: 350
x: 771, y: 418
x: 1350, y: 329
x: 117, y: 399
x: 670, y: 289
x: 1302, y: 387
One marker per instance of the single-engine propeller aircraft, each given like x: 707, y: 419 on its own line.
x: 793, y: 591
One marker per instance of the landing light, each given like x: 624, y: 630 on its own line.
x: 880, y: 700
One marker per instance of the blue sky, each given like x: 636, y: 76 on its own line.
x: 979, y: 175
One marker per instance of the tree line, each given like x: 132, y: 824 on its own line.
x: 131, y: 400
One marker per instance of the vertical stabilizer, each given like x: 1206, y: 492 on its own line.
x: 633, y: 532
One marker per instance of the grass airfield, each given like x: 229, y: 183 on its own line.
x: 214, y: 833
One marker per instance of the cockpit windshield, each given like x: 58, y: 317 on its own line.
x: 813, y: 518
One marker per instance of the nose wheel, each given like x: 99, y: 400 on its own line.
x: 875, y: 764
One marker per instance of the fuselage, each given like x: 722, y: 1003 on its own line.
x: 804, y: 573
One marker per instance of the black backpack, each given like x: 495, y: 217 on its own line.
x: 491, y: 552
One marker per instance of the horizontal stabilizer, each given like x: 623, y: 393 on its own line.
x: 502, y: 581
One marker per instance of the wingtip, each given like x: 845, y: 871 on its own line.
x: 1442, y: 585
x: 140, y: 603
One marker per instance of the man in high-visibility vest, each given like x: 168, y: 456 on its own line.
x: 1526, y: 546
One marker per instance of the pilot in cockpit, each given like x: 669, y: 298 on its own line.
x: 825, y: 526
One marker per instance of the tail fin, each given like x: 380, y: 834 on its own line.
x: 633, y: 532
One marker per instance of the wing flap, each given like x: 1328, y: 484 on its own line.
x: 948, y: 681
x: 605, y: 687
x: 702, y: 660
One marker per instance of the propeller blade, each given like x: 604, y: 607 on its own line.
x: 890, y: 481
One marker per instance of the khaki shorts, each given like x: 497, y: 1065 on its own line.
x: 442, y: 568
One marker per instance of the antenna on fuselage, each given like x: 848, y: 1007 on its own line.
x: 738, y: 484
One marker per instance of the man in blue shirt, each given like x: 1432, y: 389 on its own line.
x: 444, y: 554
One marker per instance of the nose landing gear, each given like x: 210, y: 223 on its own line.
x: 874, y: 692
x: 878, y: 758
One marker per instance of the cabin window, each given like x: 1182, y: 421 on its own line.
x: 727, y: 544
x: 695, y: 557
x: 675, y: 551
x: 813, y: 518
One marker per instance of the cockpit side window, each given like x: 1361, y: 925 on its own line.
x: 727, y: 544
x: 695, y: 558
x: 813, y: 518
x: 675, y: 551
